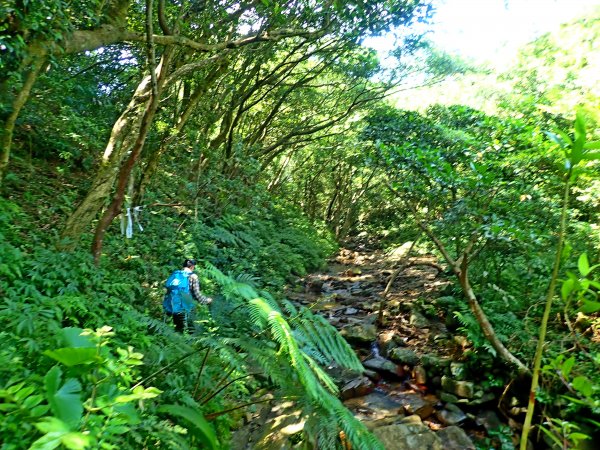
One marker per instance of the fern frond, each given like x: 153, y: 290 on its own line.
x: 289, y: 307
x: 322, y: 376
x: 327, y: 340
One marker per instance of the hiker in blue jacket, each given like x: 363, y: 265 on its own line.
x: 183, y: 287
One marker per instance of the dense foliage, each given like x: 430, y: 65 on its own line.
x: 255, y: 138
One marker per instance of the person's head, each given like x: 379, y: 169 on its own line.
x: 189, y: 264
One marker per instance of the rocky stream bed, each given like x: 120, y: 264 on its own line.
x: 414, y: 392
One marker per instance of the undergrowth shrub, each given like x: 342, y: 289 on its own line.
x: 88, y: 362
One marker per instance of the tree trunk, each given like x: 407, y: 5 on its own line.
x: 21, y: 98
x: 120, y: 142
x: 125, y: 172
x: 486, y: 326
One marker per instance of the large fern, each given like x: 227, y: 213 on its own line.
x: 290, y: 345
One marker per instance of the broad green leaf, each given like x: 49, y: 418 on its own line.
x: 578, y: 437
x: 592, y: 145
x: 580, y: 130
x: 76, y: 441
x: 52, y: 425
x: 72, y: 337
x: 64, y: 400
x: 48, y: 441
x: 583, y: 385
x: 73, y: 356
x: 567, y: 366
x: 583, y: 264
x: 562, y: 141
x: 201, y: 428
x: 590, y: 156
x: 590, y: 306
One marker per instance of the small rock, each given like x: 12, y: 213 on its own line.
x: 414, y: 419
x: 350, y: 311
x: 448, y: 398
x: 419, y: 375
x: 435, y: 364
x: 383, y: 365
x: 461, y: 388
x: 357, y: 388
x: 485, y: 398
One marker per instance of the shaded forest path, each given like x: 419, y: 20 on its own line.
x: 414, y: 392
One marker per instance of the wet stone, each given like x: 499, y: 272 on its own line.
x: 461, y: 388
x: 374, y: 406
x: 383, y: 365
x: 350, y: 311
x: 419, y: 374
x: 404, y: 356
x: 454, y: 438
x: 451, y: 415
x: 357, y: 388
x: 408, y: 437
x: 360, y: 332
x: 418, y: 320
x: 448, y: 398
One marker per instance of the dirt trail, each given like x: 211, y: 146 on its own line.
x: 411, y: 394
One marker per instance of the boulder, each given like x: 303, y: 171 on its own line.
x: 461, y: 388
x: 408, y: 436
x: 418, y: 320
x: 454, y: 438
x: 360, y: 332
x: 404, y: 356
x: 434, y: 364
x: 383, y: 365
x: 451, y: 415
x: 356, y: 388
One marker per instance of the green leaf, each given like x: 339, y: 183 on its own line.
x: 590, y: 156
x: 64, y: 400
x: 590, y: 306
x: 72, y: 337
x: 592, y: 145
x: 583, y: 385
x: 48, y: 442
x: 567, y: 288
x: 73, y: 356
x: 201, y: 428
x: 76, y: 441
x: 139, y: 393
x: 52, y: 425
x: 583, y: 265
x: 561, y: 139
x: 567, y: 366
x: 580, y: 130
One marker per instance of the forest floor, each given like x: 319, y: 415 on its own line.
x: 404, y: 396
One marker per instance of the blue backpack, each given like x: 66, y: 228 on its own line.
x: 178, y: 298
